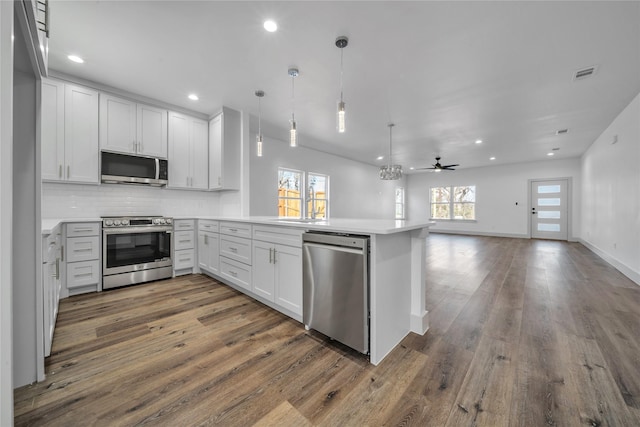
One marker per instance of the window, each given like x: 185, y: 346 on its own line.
x: 297, y: 200
x: 289, y: 195
x: 457, y: 203
x: 399, y: 203
x: 317, y: 195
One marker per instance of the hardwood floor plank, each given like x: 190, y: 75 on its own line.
x: 283, y: 415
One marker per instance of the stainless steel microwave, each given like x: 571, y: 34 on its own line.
x: 128, y: 169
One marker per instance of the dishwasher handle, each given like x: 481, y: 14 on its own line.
x: 334, y: 248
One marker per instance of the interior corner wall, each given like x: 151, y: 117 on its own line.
x: 355, y: 190
x: 502, y: 205
x: 611, y: 193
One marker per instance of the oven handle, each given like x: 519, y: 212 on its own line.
x: 137, y: 230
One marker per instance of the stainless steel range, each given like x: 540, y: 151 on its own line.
x: 135, y: 250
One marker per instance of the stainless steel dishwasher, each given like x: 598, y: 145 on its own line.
x: 335, y: 273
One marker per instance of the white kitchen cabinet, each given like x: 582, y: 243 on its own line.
x: 69, y: 132
x: 132, y: 128
x: 188, y: 151
x: 225, y: 142
x: 183, y: 246
x: 81, y: 254
x: 208, y: 246
x: 277, y: 268
x: 51, y: 284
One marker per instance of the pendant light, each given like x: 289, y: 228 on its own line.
x: 390, y: 171
x: 293, y: 132
x: 341, y: 42
x: 259, y: 94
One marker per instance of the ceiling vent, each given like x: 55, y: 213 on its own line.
x: 562, y: 131
x: 585, y: 73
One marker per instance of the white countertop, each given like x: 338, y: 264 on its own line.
x: 339, y: 225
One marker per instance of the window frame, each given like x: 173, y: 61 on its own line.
x: 452, y: 203
x: 303, y: 198
x: 400, y: 204
x: 299, y: 199
x: 325, y: 200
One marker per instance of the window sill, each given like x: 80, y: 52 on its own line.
x: 453, y: 220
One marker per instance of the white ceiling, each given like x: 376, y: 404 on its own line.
x: 446, y: 73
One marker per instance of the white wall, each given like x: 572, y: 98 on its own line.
x: 61, y: 200
x: 611, y: 193
x: 498, y: 188
x: 355, y: 190
x: 6, y: 201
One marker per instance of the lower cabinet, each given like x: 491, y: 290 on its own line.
x: 51, y: 284
x: 208, y: 246
x: 277, y: 274
x: 184, y: 256
x: 83, y: 272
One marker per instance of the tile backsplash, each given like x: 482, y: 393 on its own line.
x: 88, y: 201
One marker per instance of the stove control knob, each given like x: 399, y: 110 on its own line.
x: 125, y: 222
x: 116, y: 222
x: 161, y: 220
x: 108, y: 222
x: 169, y: 220
x: 156, y: 220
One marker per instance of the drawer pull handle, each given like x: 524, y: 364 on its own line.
x: 233, y: 230
x: 83, y: 274
x: 234, y: 250
x: 82, y: 250
x: 233, y: 273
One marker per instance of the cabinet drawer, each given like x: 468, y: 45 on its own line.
x: 235, y: 272
x: 281, y: 235
x: 183, y: 224
x: 239, y: 229
x: 84, y: 273
x: 82, y: 248
x: 81, y: 229
x: 236, y: 248
x: 184, y: 259
x: 208, y: 225
x: 183, y: 240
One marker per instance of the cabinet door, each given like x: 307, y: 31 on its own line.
x: 152, y: 131
x: 263, y: 276
x: 208, y: 251
x: 288, y: 278
x: 178, y: 151
x: 199, y: 137
x: 225, y: 141
x: 52, y: 129
x: 117, y: 124
x: 81, y: 134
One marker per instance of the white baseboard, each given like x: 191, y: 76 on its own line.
x: 420, y: 323
x: 480, y: 233
x: 620, y: 266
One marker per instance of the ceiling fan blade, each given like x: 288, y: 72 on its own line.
x: 421, y: 169
x: 450, y: 166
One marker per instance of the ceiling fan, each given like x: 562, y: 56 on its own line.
x: 438, y: 167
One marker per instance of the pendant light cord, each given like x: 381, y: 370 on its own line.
x: 341, y: 72
x: 293, y: 98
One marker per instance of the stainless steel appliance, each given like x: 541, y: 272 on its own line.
x: 336, y: 287
x: 135, y: 250
x: 128, y: 169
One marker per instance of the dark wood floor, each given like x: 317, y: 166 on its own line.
x: 523, y: 332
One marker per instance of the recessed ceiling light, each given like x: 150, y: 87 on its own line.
x: 380, y: 157
x: 478, y: 141
x: 492, y: 158
x: 550, y: 153
x: 562, y: 131
x: 411, y: 168
x: 75, y: 58
x: 555, y: 149
x: 270, y: 26
x: 193, y: 97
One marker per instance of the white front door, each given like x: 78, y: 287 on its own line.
x: 549, y: 210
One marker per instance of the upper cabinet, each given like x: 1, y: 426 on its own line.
x: 131, y: 128
x: 188, y: 149
x: 225, y: 140
x: 69, y: 132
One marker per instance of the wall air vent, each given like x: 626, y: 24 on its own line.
x: 585, y: 73
x: 562, y: 131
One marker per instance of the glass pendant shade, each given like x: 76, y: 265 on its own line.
x: 259, y: 145
x: 390, y: 171
x: 341, y: 121
x: 293, y: 135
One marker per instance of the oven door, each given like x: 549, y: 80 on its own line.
x: 135, y: 248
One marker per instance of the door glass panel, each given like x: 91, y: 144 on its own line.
x: 549, y: 202
x: 549, y: 214
x: 542, y: 189
x: 549, y: 227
